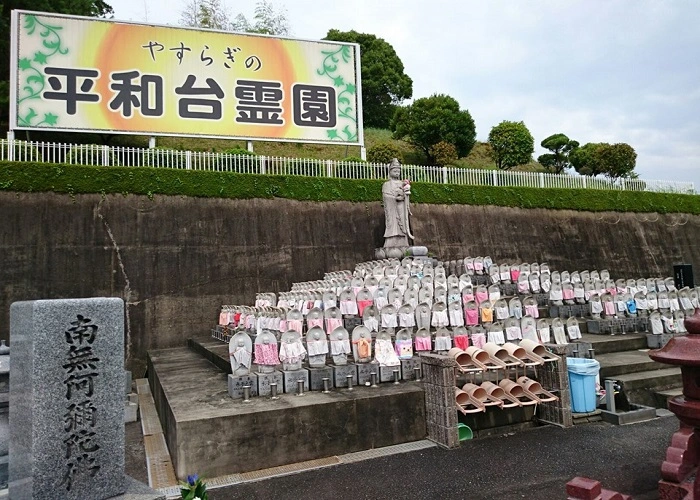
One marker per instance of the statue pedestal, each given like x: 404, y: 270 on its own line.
x: 364, y: 370
x: 400, y: 252
x: 236, y: 383
x: 386, y: 373
x: 291, y: 377
x: 407, y: 368
x: 316, y: 376
x: 265, y: 379
x: 341, y: 372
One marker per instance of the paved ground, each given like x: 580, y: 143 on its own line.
x: 532, y: 464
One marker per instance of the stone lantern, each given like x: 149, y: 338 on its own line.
x: 682, y: 456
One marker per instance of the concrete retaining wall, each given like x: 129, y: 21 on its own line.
x: 176, y: 260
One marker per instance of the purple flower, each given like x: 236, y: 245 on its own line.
x: 192, y: 479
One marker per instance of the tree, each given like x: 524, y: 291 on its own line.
x: 612, y: 160
x: 384, y: 83
x: 617, y: 160
x: 512, y: 144
x: 266, y: 21
x: 434, y: 119
x: 205, y: 14
x: 92, y: 8
x: 561, y: 147
x: 584, y: 159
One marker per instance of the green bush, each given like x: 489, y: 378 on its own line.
x: 354, y: 159
x: 444, y: 153
x: 384, y: 152
x: 81, y: 179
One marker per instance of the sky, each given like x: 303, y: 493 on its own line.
x: 596, y: 70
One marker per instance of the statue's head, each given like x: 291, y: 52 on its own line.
x: 395, y: 169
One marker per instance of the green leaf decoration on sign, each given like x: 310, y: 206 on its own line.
x: 346, y: 97
x: 34, y: 79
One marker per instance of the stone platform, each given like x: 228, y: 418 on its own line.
x: 209, y: 433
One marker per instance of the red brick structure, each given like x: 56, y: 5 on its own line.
x: 682, y: 455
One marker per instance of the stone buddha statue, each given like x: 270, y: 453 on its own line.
x: 395, y: 195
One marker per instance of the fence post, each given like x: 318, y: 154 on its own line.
x: 541, y: 180
x: 622, y: 184
x: 583, y: 178
x: 263, y: 165
x: 105, y: 155
x: 188, y: 160
x: 495, y: 177
x: 11, y: 145
x: 329, y: 168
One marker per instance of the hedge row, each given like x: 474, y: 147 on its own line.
x: 79, y: 179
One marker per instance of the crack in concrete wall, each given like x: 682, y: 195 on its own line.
x: 127, y: 285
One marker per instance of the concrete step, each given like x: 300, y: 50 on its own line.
x: 669, y: 377
x: 604, y: 344
x: 661, y: 397
x: 615, y: 364
x: 214, y: 351
x: 641, y: 387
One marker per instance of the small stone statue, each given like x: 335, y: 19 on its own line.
x: 317, y: 347
x: 395, y: 195
x: 240, y: 350
x: 340, y: 346
x: 266, y: 356
x: 361, y: 344
x: 292, y: 351
x: 384, y: 352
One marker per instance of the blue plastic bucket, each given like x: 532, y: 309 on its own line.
x: 582, y: 374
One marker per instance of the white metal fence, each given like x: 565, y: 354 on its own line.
x: 91, y: 154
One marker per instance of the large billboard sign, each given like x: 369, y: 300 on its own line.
x: 94, y: 75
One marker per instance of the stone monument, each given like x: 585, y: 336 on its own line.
x: 67, y: 402
x: 317, y: 349
x: 240, y: 350
x: 267, y: 359
x: 292, y: 353
x: 340, y: 348
x: 396, y: 194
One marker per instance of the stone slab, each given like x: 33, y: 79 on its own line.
x: 362, y: 419
x: 136, y: 490
x: 341, y: 372
x: 127, y: 381
x: 364, y: 370
x: 67, y: 376
x: 316, y: 376
x: 407, y: 368
x: 639, y: 414
x: 265, y: 379
x: 386, y: 373
x: 130, y: 412
x: 237, y: 382
x: 290, y: 379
